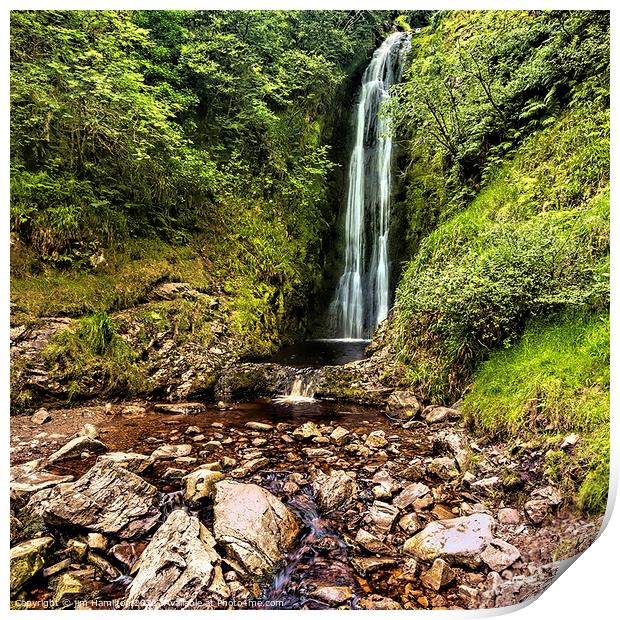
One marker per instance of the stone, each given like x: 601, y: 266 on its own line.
x: 131, y: 461
x: 26, y: 485
x: 378, y: 602
x: 486, y: 486
x: 127, y: 553
x: 411, y: 493
x: 192, y: 430
x: 103, y: 568
x: 259, y: 426
x: 306, y: 431
x: 370, y: 542
x: 570, y: 441
x: 332, y: 595
x: 249, y: 467
x: 444, y: 467
x: 315, y: 453
x: 75, y: 447
x: 89, y: 430
x: 179, y: 569
x: 410, y: 524
x: 549, y: 493
x: 172, y: 451
x: 27, y: 559
x: 40, y: 416
x: 438, y: 575
x: 414, y: 472
x: 382, y: 516
x: 460, y: 540
x: 404, y: 400
x: 376, y: 440
x: 365, y: 566
x: 173, y: 473
x: 180, y: 408
x: 340, y: 436
x: 200, y: 484
x: 499, y: 555
x: 508, y: 516
x: 107, y: 499
x: 435, y: 415
x: 254, y: 527
x: 77, y: 549
x: 537, y: 510
x: 66, y: 588
x: 333, y: 491
x: 97, y: 541
x: 56, y: 568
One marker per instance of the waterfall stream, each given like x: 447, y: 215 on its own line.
x: 362, y: 297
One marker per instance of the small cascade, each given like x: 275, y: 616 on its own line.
x: 303, y: 387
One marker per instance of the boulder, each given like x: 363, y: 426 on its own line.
x: 460, y: 540
x: 486, y: 486
x: 410, y: 523
x: 67, y: 587
x: 75, y: 447
x: 27, y: 559
x: 537, y: 510
x: 254, y: 527
x: 107, y: 499
x: 404, y: 400
x: 200, y: 484
x: 365, y: 566
x: 179, y: 569
x: 499, y: 555
x: 333, y: 491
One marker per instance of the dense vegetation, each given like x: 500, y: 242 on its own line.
x: 506, y: 118
x: 176, y: 144
x: 207, y: 147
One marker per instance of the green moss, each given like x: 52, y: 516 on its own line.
x: 553, y: 382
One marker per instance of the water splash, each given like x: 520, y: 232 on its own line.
x: 362, y: 297
x: 303, y: 388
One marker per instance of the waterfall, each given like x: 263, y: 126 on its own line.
x: 302, y: 388
x: 362, y: 297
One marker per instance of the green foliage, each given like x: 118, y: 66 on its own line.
x: 524, y: 248
x: 92, y: 355
x: 554, y: 381
x: 203, y: 129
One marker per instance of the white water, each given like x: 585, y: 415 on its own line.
x: 301, y: 390
x: 362, y: 297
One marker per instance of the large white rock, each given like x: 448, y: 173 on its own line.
x: 459, y: 540
x: 179, y: 569
x: 254, y: 527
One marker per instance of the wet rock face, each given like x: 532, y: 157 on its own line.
x: 459, y: 540
x: 107, y: 499
x: 27, y: 559
x: 333, y: 491
x: 254, y: 527
x: 179, y: 564
x: 250, y: 380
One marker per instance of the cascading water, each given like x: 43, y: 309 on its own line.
x: 362, y: 298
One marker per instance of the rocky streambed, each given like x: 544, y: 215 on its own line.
x: 310, y: 504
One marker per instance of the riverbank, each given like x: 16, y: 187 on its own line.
x: 362, y: 486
